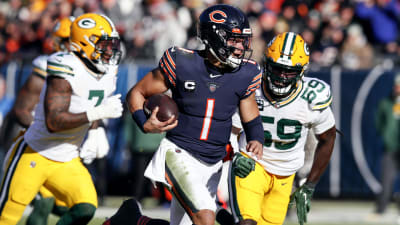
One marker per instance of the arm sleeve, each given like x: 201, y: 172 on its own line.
x: 57, y: 66
x: 254, y: 84
x: 39, y: 65
x: 324, y: 120
x: 167, y: 66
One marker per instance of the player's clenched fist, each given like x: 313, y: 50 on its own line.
x: 111, y: 108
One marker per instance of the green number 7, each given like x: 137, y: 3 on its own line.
x: 97, y: 93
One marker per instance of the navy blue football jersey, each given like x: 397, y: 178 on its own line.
x: 207, y: 99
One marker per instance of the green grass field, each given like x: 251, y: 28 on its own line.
x: 332, y: 212
x: 98, y: 221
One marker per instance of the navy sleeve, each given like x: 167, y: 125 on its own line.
x: 168, y: 67
x: 255, y: 80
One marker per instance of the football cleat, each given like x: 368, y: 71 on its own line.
x: 130, y: 212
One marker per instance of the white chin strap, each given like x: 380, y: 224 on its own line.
x: 230, y: 61
x: 233, y: 62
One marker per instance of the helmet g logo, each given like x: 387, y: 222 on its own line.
x: 306, y: 49
x: 86, y: 23
x: 221, y: 13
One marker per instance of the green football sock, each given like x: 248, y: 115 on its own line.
x: 41, y: 210
x: 59, y: 210
x: 79, y: 214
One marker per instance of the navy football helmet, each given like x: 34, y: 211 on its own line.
x: 222, y: 28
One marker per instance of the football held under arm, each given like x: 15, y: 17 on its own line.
x: 151, y: 84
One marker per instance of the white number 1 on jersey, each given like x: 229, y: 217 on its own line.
x: 207, y: 119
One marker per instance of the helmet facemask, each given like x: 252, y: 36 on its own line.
x: 107, y: 52
x: 281, y: 80
x: 223, y: 47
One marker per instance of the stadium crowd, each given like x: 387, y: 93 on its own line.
x: 354, y: 33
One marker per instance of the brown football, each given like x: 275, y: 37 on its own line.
x: 167, y: 107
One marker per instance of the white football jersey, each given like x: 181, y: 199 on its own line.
x: 40, y: 65
x: 287, y: 123
x: 88, y: 91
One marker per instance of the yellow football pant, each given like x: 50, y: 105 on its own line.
x: 45, y: 193
x: 27, y: 171
x: 261, y: 196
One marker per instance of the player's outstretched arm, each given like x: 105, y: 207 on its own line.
x: 27, y: 98
x: 151, y: 84
x: 252, y: 125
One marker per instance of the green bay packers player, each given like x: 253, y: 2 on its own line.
x: 290, y: 106
x: 25, y: 103
x: 77, y: 94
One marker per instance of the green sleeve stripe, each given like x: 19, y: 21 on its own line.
x: 328, y: 100
x: 55, y: 72
x: 60, y: 65
x: 323, y: 105
x: 39, y: 75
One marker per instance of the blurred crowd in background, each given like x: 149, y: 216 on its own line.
x: 356, y: 34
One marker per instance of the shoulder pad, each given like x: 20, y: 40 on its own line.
x: 317, y: 93
x: 40, y: 65
x: 40, y: 62
x: 60, y: 64
x: 251, y: 64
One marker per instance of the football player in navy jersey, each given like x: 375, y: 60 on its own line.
x: 208, y: 86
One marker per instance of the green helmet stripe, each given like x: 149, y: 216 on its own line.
x: 292, y: 44
x: 288, y: 44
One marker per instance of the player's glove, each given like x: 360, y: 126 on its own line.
x: 242, y: 166
x: 102, y: 143
x: 95, y: 146
x: 111, y: 108
x: 302, y: 197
